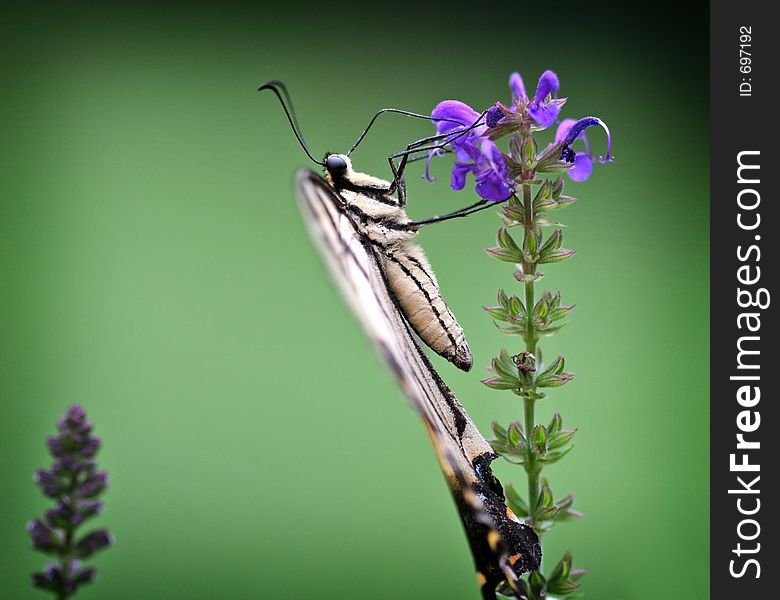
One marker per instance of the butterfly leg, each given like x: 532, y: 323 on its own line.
x: 434, y: 143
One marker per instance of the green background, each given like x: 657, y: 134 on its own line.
x: 154, y: 268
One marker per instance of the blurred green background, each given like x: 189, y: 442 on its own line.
x: 154, y: 268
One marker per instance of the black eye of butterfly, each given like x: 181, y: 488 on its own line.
x: 335, y: 165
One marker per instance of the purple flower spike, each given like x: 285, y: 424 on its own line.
x: 74, y: 483
x: 570, y: 130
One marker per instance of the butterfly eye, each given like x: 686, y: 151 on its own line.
x: 335, y: 164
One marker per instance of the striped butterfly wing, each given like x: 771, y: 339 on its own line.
x: 503, y: 548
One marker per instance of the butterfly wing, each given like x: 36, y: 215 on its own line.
x: 502, y: 546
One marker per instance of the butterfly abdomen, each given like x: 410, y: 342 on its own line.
x: 414, y: 286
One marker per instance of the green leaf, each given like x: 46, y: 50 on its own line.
x: 528, y: 151
x: 503, y: 301
x: 505, y: 240
x: 516, y: 307
x: 507, y: 364
x: 553, y: 166
x: 543, y: 220
x: 497, y: 313
x: 514, y: 435
x: 562, y: 580
x: 553, y: 457
x: 531, y: 245
x: 545, y: 495
x: 515, y: 144
x: 498, y: 383
x: 543, y: 195
x: 560, y: 438
x: 560, y: 312
x: 564, y: 201
x: 556, y: 424
x: 546, y: 514
x: 551, y: 330
x: 539, y: 437
x: 548, y: 377
x: 516, y: 502
x: 499, y: 431
x: 553, y: 242
x: 505, y: 255
x: 557, y: 187
x: 556, y: 256
x: 554, y: 381
x: 507, y: 127
x: 511, y: 329
x: 542, y: 307
x: 537, y: 583
x: 514, y: 213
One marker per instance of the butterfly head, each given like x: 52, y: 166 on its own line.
x: 337, y: 165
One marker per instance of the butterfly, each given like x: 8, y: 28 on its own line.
x: 503, y: 547
x: 365, y: 237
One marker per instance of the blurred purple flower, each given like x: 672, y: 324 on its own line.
x: 63, y: 581
x: 74, y: 483
x: 92, y: 542
x: 568, y: 132
x: 44, y: 538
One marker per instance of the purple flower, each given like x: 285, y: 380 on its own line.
x: 93, y: 485
x: 543, y: 108
x: 455, y: 116
x: 44, y: 538
x: 568, y: 132
x: 489, y: 169
x: 63, y: 581
x: 92, y: 542
x: 74, y: 483
x: 475, y: 153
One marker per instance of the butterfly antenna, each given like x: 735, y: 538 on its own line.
x: 396, y: 111
x: 280, y: 90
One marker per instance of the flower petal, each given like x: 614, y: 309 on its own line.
x: 548, y: 84
x: 563, y: 129
x: 453, y: 110
x: 493, y: 187
x: 491, y: 152
x: 583, y: 167
x: 459, y: 172
x: 544, y: 114
x: 574, y: 132
x: 466, y: 147
x: 517, y: 87
x: 431, y: 153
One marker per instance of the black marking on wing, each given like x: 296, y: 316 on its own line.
x: 503, y: 548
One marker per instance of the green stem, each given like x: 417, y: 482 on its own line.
x: 529, y: 268
x: 66, y: 556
